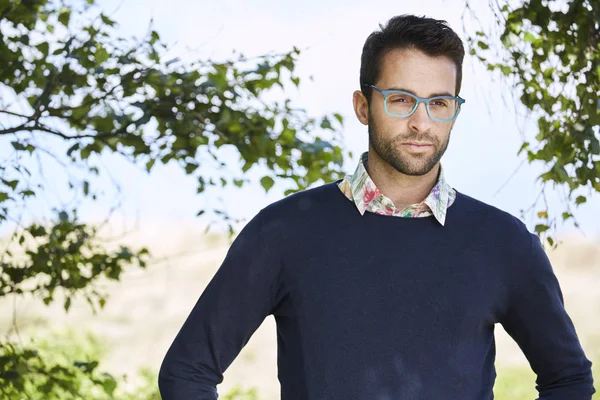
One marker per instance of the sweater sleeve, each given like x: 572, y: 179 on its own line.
x: 536, y: 319
x: 230, y: 309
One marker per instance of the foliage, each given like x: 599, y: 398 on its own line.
x: 238, y: 393
x: 95, y: 92
x: 550, y: 50
x: 45, y: 370
x: 64, y: 257
x: 72, y: 90
x: 515, y: 383
x: 518, y: 383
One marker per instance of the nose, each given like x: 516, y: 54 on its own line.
x: 419, y: 120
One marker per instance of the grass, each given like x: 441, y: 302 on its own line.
x: 518, y: 383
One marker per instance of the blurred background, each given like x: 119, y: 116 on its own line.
x: 137, y: 138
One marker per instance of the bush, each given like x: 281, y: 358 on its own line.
x: 66, y: 366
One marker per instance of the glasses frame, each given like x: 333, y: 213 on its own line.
x: 425, y: 100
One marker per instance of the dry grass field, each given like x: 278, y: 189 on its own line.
x: 146, y: 309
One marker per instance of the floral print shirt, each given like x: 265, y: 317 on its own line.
x: 362, y: 191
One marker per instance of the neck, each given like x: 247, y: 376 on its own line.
x: 402, y: 189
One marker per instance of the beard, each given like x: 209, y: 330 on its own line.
x: 390, y: 151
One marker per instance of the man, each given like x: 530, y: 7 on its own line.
x: 388, y: 283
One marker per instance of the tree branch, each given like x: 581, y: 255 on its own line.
x: 14, y: 114
x: 39, y: 127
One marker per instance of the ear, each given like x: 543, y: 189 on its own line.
x: 361, y: 107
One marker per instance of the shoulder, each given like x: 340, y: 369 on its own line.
x: 492, y: 217
x: 300, y: 206
x: 505, y: 237
x: 301, y: 201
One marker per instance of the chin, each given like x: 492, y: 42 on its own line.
x: 415, y: 172
x: 413, y: 169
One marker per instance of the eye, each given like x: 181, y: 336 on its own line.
x: 439, y: 103
x: 400, y: 98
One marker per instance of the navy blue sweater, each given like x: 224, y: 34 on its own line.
x: 379, y: 307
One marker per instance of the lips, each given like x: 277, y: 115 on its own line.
x: 416, y: 147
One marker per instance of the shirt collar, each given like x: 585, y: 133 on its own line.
x: 365, y: 193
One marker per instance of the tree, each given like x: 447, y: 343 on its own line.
x: 72, y: 90
x: 550, y: 52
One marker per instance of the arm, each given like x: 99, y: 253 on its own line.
x: 233, y: 305
x: 536, y: 319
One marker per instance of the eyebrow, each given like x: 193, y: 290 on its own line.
x: 431, y: 95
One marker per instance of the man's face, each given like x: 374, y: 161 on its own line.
x: 391, y: 137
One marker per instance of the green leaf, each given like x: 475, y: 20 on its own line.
x: 13, y: 184
x: 580, y: 200
x: 109, y: 386
x: 107, y: 20
x: 326, y: 124
x: 523, y: 147
x: 18, y: 146
x: 64, y: 16
x: 506, y: 70
x: 267, y: 182
x: 101, y: 55
x: 247, y: 166
x: 150, y: 164
x: 510, y: 40
x: 72, y: 149
x: 339, y: 118
x: 63, y: 216
x: 154, y: 37
x: 43, y: 48
x: 529, y: 37
x: 191, y: 167
x: 483, y: 45
x: 540, y: 228
x: 562, y: 173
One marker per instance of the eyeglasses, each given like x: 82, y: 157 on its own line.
x: 399, y: 103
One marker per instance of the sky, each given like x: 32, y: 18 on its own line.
x: 480, y: 158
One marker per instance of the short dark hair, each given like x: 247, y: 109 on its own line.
x: 431, y: 36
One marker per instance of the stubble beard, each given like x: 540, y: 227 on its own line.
x: 410, y: 164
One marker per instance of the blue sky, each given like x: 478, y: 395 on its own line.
x: 482, y: 151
